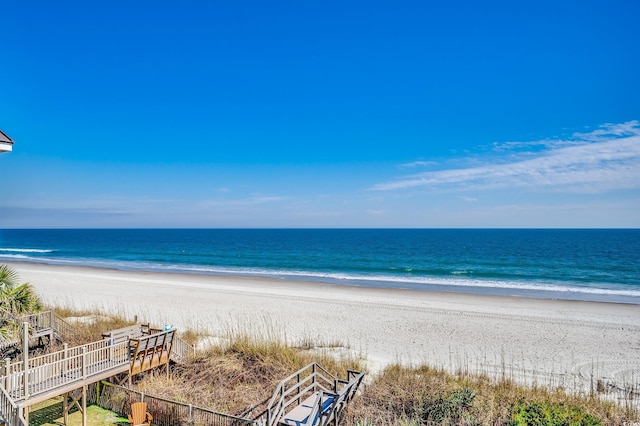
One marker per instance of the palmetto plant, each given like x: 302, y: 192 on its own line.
x: 15, y: 300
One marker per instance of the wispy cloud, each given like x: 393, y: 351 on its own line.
x: 418, y: 164
x: 605, y: 159
x: 249, y: 201
x: 603, y: 133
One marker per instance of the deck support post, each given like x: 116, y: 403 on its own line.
x: 65, y: 408
x: 84, y: 405
x: 75, y: 396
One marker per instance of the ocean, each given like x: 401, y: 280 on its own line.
x: 573, y: 264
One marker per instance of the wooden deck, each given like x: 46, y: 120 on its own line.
x: 60, y: 372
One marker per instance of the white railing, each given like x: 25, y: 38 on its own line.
x: 312, y: 379
x: 9, y: 411
x: 16, y: 366
x: 78, y: 366
x: 47, y: 319
x: 181, y: 350
x: 291, y: 390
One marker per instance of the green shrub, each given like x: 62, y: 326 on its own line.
x: 447, y: 407
x: 533, y: 414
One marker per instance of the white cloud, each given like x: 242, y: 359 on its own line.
x: 604, y: 133
x: 250, y: 201
x: 605, y: 159
x: 419, y: 164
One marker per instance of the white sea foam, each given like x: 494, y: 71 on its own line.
x: 22, y: 250
x: 412, y: 282
x: 14, y: 256
x: 458, y: 281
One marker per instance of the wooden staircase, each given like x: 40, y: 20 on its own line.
x: 310, y: 397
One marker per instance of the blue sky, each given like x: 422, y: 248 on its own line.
x: 320, y: 114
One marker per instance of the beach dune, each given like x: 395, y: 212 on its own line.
x: 548, y: 342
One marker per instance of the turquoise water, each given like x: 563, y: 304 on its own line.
x: 566, y: 264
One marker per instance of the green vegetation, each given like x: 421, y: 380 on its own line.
x: 552, y: 415
x: 427, y: 396
x: 450, y: 407
x: 15, y: 300
x: 50, y: 414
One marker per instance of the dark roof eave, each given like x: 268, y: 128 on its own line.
x: 4, y: 138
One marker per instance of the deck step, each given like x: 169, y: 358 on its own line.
x: 300, y: 415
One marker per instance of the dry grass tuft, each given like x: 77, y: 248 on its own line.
x: 401, y: 395
x: 92, y: 329
x: 237, y: 375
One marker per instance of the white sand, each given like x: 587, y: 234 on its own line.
x: 546, y: 341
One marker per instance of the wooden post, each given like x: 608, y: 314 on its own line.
x: 50, y: 327
x: 84, y: 363
x: 25, y: 358
x: 65, y: 349
x: 130, y: 360
x: 111, y: 343
x: 65, y: 408
x: 5, y: 373
x: 84, y: 405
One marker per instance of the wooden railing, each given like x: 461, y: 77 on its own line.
x: 181, y: 350
x: 292, y: 389
x: 312, y: 379
x: 9, y: 411
x: 53, y: 357
x: 47, y: 319
x: 165, y: 412
x: 63, y: 368
x: 68, y: 367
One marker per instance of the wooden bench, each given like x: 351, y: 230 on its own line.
x: 125, y: 333
x: 151, y: 351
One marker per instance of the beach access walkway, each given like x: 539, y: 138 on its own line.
x: 310, y: 397
x: 32, y: 380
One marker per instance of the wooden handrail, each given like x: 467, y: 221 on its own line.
x: 9, y: 410
x: 61, y: 372
x: 47, y: 319
x: 305, y: 382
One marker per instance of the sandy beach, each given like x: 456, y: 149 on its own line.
x: 533, y: 340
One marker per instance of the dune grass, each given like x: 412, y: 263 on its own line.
x: 241, y: 370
